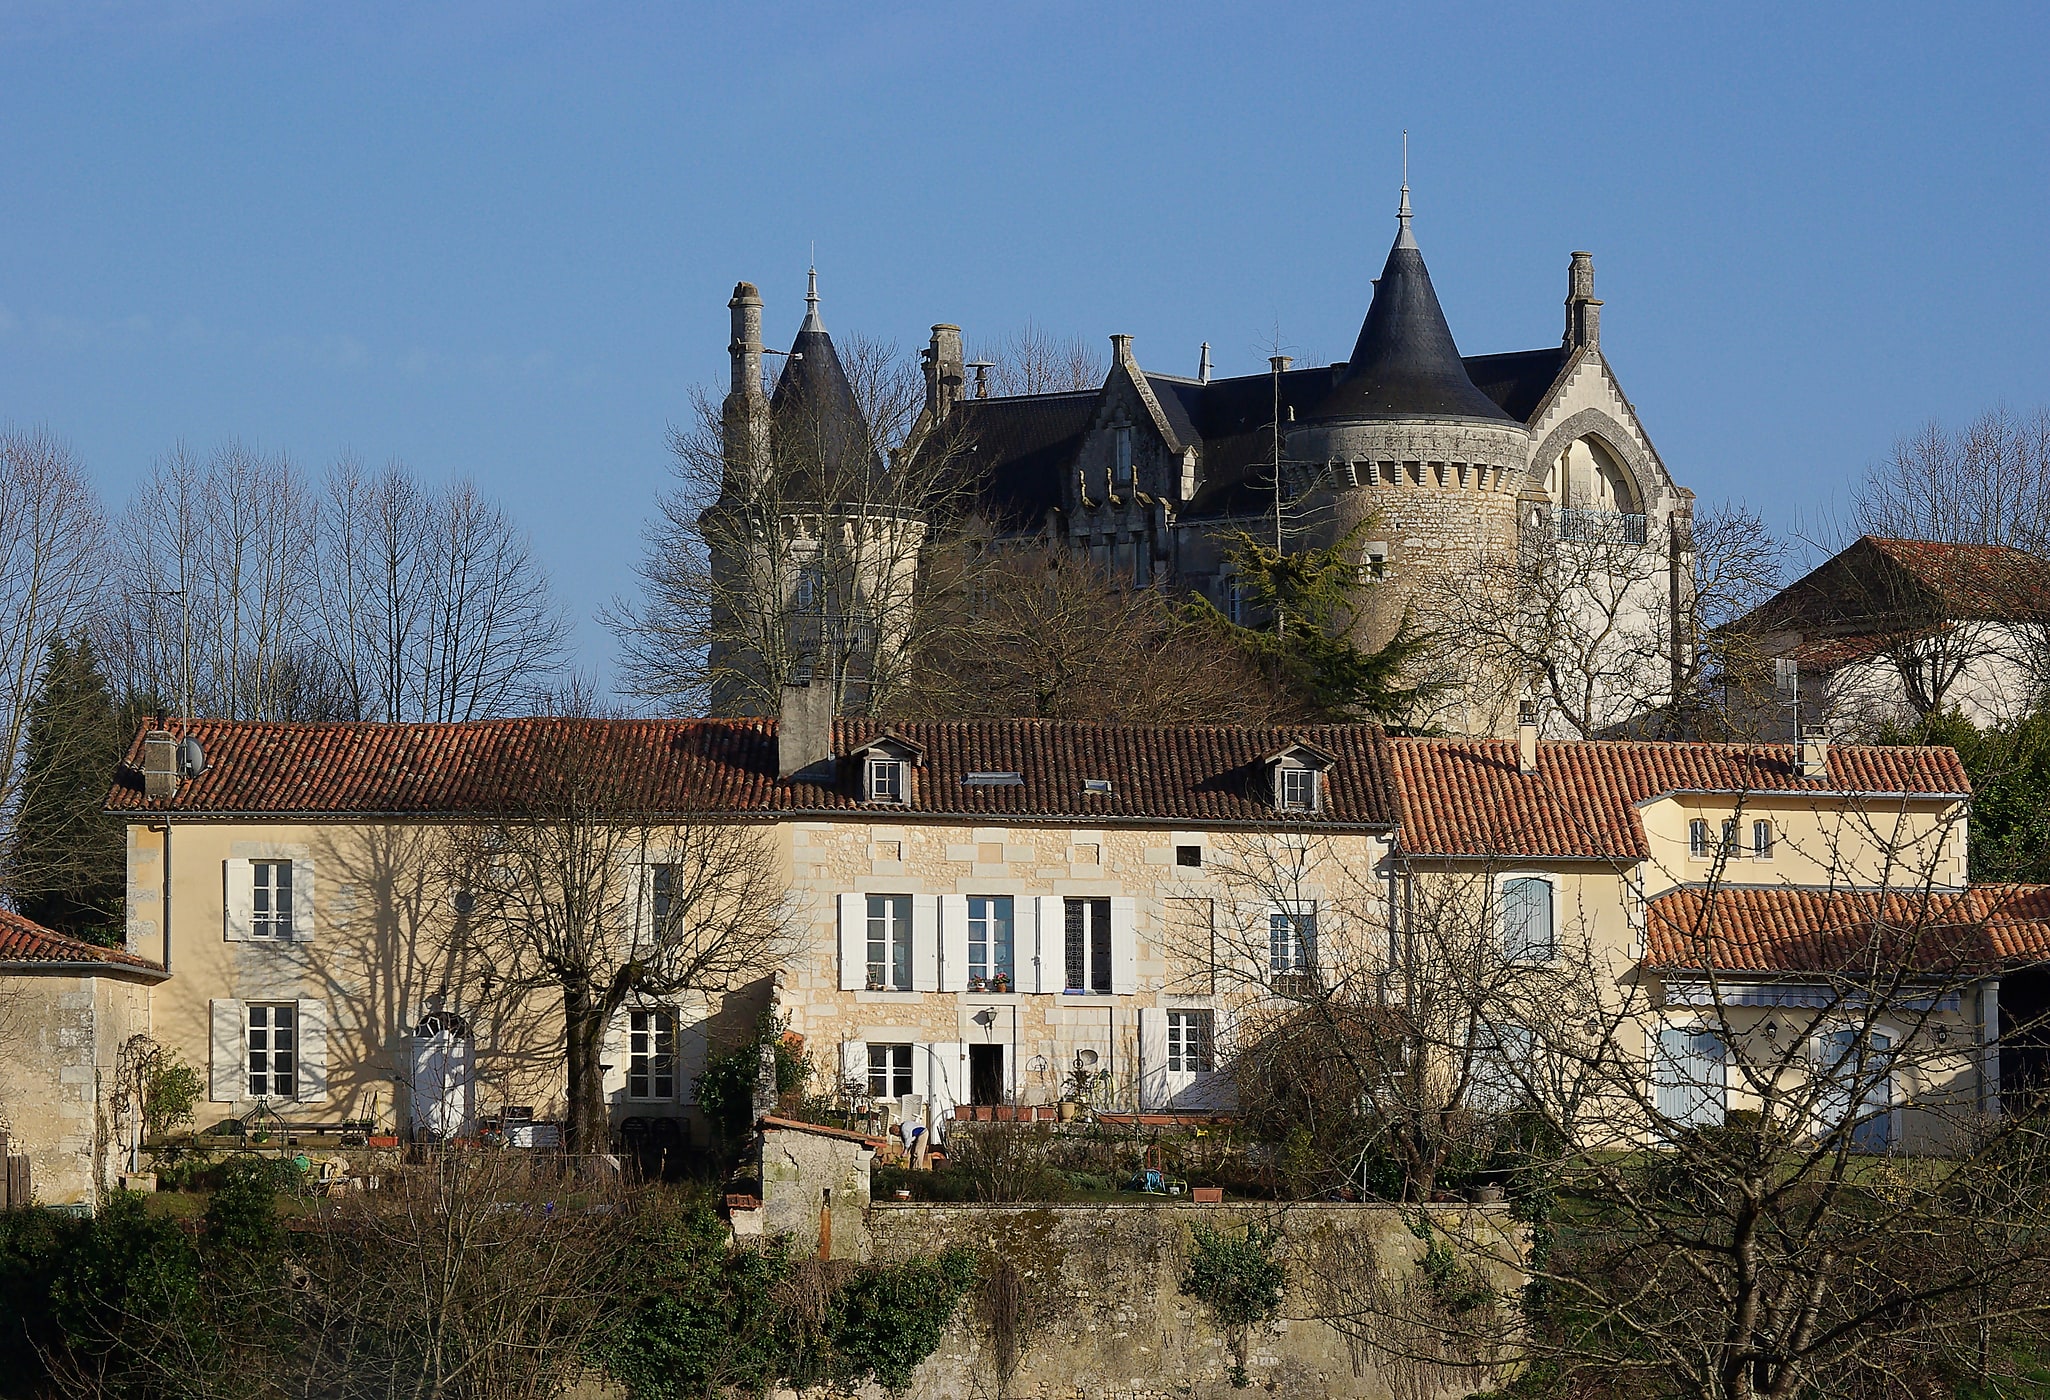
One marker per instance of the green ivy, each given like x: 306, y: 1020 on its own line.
x: 1236, y: 1274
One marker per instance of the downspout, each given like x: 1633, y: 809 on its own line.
x: 1989, y: 1047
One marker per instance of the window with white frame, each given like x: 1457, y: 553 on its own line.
x: 1761, y: 840
x: 889, y: 942
x: 651, y: 1053
x: 1524, y: 911
x: 1235, y: 599
x: 1698, y: 845
x: 1503, y: 1058
x: 271, y: 1036
x: 1088, y: 945
x: 992, y: 965
x: 1733, y: 839
x: 1295, y: 788
x: 886, y: 780
x: 1292, y: 939
x: 271, y: 899
x: 1690, y: 1076
x: 889, y: 1071
x: 1191, y: 1042
x: 1121, y: 465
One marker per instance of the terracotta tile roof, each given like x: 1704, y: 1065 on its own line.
x: 1879, y: 586
x: 1848, y: 931
x: 1975, y: 580
x: 1183, y: 773
x: 25, y: 941
x: 1464, y: 797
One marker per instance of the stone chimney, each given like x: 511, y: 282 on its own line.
x: 745, y: 414
x: 1121, y: 349
x: 1583, y: 312
x: 1203, y: 365
x: 1526, y: 739
x: 804, y: 732
x: 160, y: 765
x: 1814, y: 761
x: 944, y: 371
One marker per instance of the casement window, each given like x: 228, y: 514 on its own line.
x: 651, y: 1054
x: 1188, y: 856
x: 811, y: 589
x: 1088, y: 945
x: 889, y: 942
x: 991, y: 925
x: 1191, y: 1042
x: 889, y: 1071
x: 1690, y: 1077
x: 1121, y: 463
x: 1235, y: 599
x: 1698, y: 846
x: 1524, y: 914
x: 662, y: 893
x: 1295, y: 788
x: 1502, y: 1057
x: 1761, y: 840
x: 1292, y: 942
x: 1733, y: 839
x: 271, y: 1040
x: 886, y: 780
x: 270, y: 905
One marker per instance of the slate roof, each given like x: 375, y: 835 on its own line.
x: 1886, y: 586
x: 1517, y: 380
x: 1464, y: 797
x: 23, y: 941
x: 1784, y: 930
x: 813, y: 397
x: 1019, y: 448
x: 1208, y: 774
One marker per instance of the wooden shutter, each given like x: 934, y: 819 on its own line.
x: 1155, y: 1093
x: 226, y: 1050
x: 925, y: 943
x: 312, y: 1043
x: 853, y: 942
x: 1124, y: 946
x: 238, y: 899
x: 946, y: 1080
x: 303, y: 908
x: 1045, y: 972
x: 954, y: 943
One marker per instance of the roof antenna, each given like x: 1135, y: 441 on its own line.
x: 1403, y: 238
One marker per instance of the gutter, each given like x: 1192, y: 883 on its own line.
x: 83, y: 968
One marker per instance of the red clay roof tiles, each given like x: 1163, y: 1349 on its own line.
x: 1848, y: 931
x: 1464, y: 797
x: 25, y: 941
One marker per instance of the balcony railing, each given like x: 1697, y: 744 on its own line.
x: 1599, y: 526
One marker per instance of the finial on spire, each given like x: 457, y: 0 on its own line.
x: 1403, y: 237
x: 811, y: 301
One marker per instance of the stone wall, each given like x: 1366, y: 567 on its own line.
x: 60, y: 1040
x: 1100, y: 1314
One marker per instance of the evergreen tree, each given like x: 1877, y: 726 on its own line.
x: 1304, y: 607
x: 66, y: 868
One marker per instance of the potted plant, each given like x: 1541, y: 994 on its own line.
x: 1001, y: 982
x: 875, y: 983
x: 978, y: 984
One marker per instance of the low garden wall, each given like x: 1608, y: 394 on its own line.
x: 1090, y: 1304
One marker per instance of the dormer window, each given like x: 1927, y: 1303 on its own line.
x: 1298, y: 776
x: 886, y: 780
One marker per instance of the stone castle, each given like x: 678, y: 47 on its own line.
x: 1434, y: 457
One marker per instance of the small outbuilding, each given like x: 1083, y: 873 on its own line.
x: 815, y: 1185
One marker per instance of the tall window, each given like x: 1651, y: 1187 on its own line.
x: 273, y: 1039
x: 1526, y: 915
x: 651, y: 1054
x: 1761, y: 840
x: 1292, y: 939
x: 272, y: 906
x: 1088, y: 945
x: 1235, y: 599
x: 889, y: 942
x: 889, y: 1071
x: 662, y: 894
x: 1690, y: 1077
x: 1733, y: 840
x: 1121, y: 467
x: 1697, y: 839
x: 811, y: 589
x: 989, y: 940
x: 1191, y: 1042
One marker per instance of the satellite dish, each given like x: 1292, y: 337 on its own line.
x: 191, y: 758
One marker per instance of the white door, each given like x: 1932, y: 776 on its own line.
x: 444, y: 1073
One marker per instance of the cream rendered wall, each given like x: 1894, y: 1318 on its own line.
x: 1822, y: 842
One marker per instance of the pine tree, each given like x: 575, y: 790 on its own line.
x: 65, y: 865
x: 1305, y: 606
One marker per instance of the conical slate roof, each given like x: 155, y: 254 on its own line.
x: 1405, y: 364
x: 814, y: 405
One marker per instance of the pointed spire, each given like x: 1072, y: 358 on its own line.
x: 811, y: 304
x: 1403, y: 237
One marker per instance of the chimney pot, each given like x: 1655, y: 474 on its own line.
x: 804, y: 732
x: 1814, y: 761
x: 1526, y: 739
x: 160, y: 765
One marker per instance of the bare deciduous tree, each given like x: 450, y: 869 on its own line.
x: 587, y: 890
x: 1036, y: 361
x: 1988, y: 483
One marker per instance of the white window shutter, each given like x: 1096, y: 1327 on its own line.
x: 312, y: 1049
x: 1124, y: 946
x: 238, y: 899
x: 854, y: 1065
x: 1155, y: 1093
x: 303, y: 906
x: 925, y: 943
x: 947, y: 1081
x: 226, y: 1050
x: 1049, y: 950
x: 853, y: 942
x: 954, y: 942
x: 612, y: 1050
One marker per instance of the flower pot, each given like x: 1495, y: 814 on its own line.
x: 1207, y: 1195
x: 1068, y: 1110
x: 1489, y: 1195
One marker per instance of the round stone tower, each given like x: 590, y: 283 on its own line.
x: 1406, y: 441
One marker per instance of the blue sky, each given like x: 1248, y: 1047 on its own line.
x: 496, y: 240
